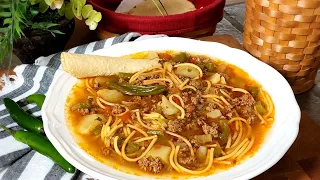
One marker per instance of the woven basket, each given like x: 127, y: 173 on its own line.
x: 286, y: 35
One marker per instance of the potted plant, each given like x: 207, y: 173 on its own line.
x: 40, y: 27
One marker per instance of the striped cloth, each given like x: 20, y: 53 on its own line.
x: 17, y: 160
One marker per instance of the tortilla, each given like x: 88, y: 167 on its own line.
x: 147, y: 8
x: 82, y: 65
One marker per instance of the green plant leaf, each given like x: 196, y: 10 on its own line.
x: 61, y: 11
x: 82, y: 2
x: 68, y: 11
x: 76, y: 9
x: 86, y: 11
x: 57, y: 32
x: 92, y: 25
x: 95, y: 16
x: 5, y: 5
x: 7, y: 21
x: 48, y: 2
x: 34, y: 2
x: 3, y: 30
x: 5, y: 14
x: 43, y: 7
x: 34, y: 11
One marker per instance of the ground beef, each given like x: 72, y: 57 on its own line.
x: 175, y: 125
x: 147, y: 104
x: 197, y: 84
x: 208, y: 129
x: 86, y: 111
x: 117, y: 109
x: 105, y: 151
x: 227, y: 111
x: 247, y: 113
x: 185, y: 159
x: 193, y: 102
x: 244, y: 107
x: 244, y: 100
x: 151, y: 164
x: 192, y: 126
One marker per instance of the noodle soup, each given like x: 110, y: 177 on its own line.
x: 190, y: 116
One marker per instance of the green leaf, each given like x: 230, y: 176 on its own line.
x: 43, y: 7
x: 3, y: 30
x: 5, y: 14
x: 57, y: 32
x: 61, y: 11
x: 82, y: 2
x: 43, y: 25
x: 86, y: 11
x: 5, y: 5
x: 7, y: 21
x: 68, y: 11
x: 53, y: 34
x: 76, y: 9
x: 48, y: 2
x: 34, y: 11
x: 95, y: 16
x: 34, y: 2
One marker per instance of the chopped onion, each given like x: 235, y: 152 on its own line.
x: 214, y: 114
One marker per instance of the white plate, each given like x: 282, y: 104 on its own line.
x: 277, y: 142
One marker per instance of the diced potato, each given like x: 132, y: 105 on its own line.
x: 203, y: 139
x: 223, y: 80
x: 112, y: 96
x: 168, y: 108
x: 214, y: 114
x: 163, y: 152
x: 89, y: 122
x: 201, y: 153
x: 187, y: 71
x: 102, y: 80
x: 215, y: 78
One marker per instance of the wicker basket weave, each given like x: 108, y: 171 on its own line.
x: 286, y: 35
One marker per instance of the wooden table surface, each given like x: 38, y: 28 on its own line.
x: 301, y: 162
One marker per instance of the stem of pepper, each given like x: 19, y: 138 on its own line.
x: 7, y: 129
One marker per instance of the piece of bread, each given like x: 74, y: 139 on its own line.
x: 83, y: 66
x: 148, y: 8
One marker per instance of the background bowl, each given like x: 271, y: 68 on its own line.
x: 278, y: 140
x: 196, y: 23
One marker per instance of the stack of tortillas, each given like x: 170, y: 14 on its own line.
x: 82, y: 65
x: 148, y: 8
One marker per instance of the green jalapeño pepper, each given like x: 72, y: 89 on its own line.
x: 38, y: 99
x: 42, y: 145
x: 22, y: 118
x: 136, y: 90
x: 223, y: 136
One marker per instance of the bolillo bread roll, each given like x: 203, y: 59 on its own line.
x: 82, y: 65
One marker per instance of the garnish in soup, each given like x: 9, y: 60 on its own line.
x: 189, y: 116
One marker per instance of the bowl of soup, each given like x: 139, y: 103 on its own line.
x: 204, y: 110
